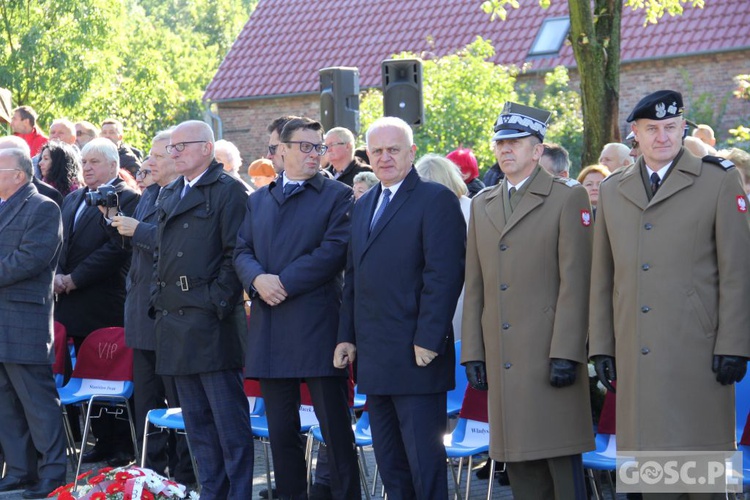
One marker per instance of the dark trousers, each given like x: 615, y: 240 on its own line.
x: 217, y: 420
x: 330, y: 400
x: 31, y: 422
x: 558, y: 478
x: 407, y: 434
x: 152, y: 391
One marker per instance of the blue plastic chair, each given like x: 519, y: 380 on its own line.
x: 362, y: 438
x: 603, y: 458
x: 469, y: 438
x: 741, y: 405
x: 101, y: 387
x: 166, y: 419
x: 456, y: 397
x: 359, y: 400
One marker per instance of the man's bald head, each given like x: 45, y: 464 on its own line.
x: 15, y: 142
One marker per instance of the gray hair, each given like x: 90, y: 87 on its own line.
x: 231, y: 150
x: 390, y: 121
x: 23, y: 161
x: 342, y: 133
x: 440, y: 169
x: 558, y: 155
x: 368, y: 178
x: 104, y: 147
x: 163, y: 135
x: 13, y: 141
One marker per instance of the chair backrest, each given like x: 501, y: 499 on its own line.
x: 61, y: 346
x: 742, y: 409
x: 455, y: 396
x: 104, y: 356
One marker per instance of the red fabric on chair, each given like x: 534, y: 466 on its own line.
x: 474, y: 406
x: 61, y: 346
x: 252, y: 388
x: 746, y: 432
x: 104, y: 355
x: 607, y: 421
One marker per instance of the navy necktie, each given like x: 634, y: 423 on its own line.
x: 290, y: 187
x: 381, y: 208
x: 655, y: 182
x: 185, y: 190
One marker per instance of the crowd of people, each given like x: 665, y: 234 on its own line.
x: 368, y: 266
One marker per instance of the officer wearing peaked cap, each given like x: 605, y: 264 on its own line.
x: 670, y: 282
x: 528, y: 261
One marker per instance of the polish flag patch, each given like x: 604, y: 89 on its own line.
x: 742, y: 204
x: 585, y: 218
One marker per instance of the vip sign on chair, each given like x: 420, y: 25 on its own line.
x: 339, y: 98
x: 402, y: 90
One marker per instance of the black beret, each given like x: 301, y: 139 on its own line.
x: 660, y: 105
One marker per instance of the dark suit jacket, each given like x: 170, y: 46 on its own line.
x: 350, y: 172
x: 303, y: 239
x: 48, y: 191
x: 97, y: 263
x: 402, y: 282
x: 200, y: 320
x: 139, y: 327
x: 30, y: 241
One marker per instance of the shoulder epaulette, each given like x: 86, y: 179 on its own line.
x: 717, y: 160
x: 614, y: 174
x: 568, y: 181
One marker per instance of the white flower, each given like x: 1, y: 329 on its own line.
x: 194, y: 495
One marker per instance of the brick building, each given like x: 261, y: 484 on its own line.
x: 272, y: 68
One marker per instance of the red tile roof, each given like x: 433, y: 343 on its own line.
x: 286, y: 42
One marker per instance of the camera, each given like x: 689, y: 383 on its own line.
x: 105, y: 196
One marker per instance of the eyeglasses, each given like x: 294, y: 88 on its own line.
x: 329, y: 146
x: 143, y: 172
x: 306, y: 147
x: 180, y: 146
x: 10, y: 169
x: 272, y: 149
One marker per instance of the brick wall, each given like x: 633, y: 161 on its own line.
x: 245, y: 122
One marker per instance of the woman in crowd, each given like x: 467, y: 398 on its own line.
x: 261, y: 172
x: 467, y: 162
x: 591, y: 177
x: 143, y: 175
x: 362, y: 182
x: 440, y: 169
x: 60, y: 165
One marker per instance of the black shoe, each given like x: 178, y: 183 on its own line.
x: 319, y: 491
x: 97, y: 454
x: 11, y: 483
x: 43, y: 488
x: 121, y: 459
x: 264, y: 493
x: 502, y: 478
x: 484, y: 472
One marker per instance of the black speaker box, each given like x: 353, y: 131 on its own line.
x: 402, y: 90
x: 339, y: 98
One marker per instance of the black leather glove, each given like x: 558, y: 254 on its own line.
x: 562, y: 372
x: 605, y: 370
x: 476, y: 372
x: 729, y: 369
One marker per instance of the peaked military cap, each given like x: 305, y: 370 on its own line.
x: 517, y: 120
x: 660, y: 105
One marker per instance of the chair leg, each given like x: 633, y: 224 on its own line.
x: 375, y: 479
x: 594, y: 483
x: 468, y: 476
x: 131, y: 421
x: 72, y: 452
x: 456, y: 480
x: 268, y: 468
x: 84, y: 439
x: 145, y: 440
x: 362, y: 473
x: 612, y: 488
x: 309, y: 446
x: 492, y: 477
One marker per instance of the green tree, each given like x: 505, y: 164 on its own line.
x: 595, y: 38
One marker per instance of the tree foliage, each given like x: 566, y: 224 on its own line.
x: 145, y: 62
x: 595, y: 38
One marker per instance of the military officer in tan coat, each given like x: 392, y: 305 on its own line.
x: 528, y: 264
x: 669, y: 290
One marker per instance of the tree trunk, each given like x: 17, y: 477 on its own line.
x: 595, y: 37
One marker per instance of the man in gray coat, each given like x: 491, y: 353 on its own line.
x: 30, y: 242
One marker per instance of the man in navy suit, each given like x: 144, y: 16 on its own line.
x: 30, y: 240
x: 404, y: 273
x: 291, y: 252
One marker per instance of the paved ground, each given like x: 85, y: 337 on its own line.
x: 478, y: 487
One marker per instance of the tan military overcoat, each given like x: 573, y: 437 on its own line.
x: 526, y: 302
x: 670, y: 288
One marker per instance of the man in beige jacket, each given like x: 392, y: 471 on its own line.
x: 525, y: 313
x: 669, y: 289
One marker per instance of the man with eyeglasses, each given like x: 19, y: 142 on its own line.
x: 343, y: 165
x: 290, y: 256
x: 150, y: 390
x: 85, y: 133
x: 200, y: 317
x: 31, y: 433
x: 275, y: 128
